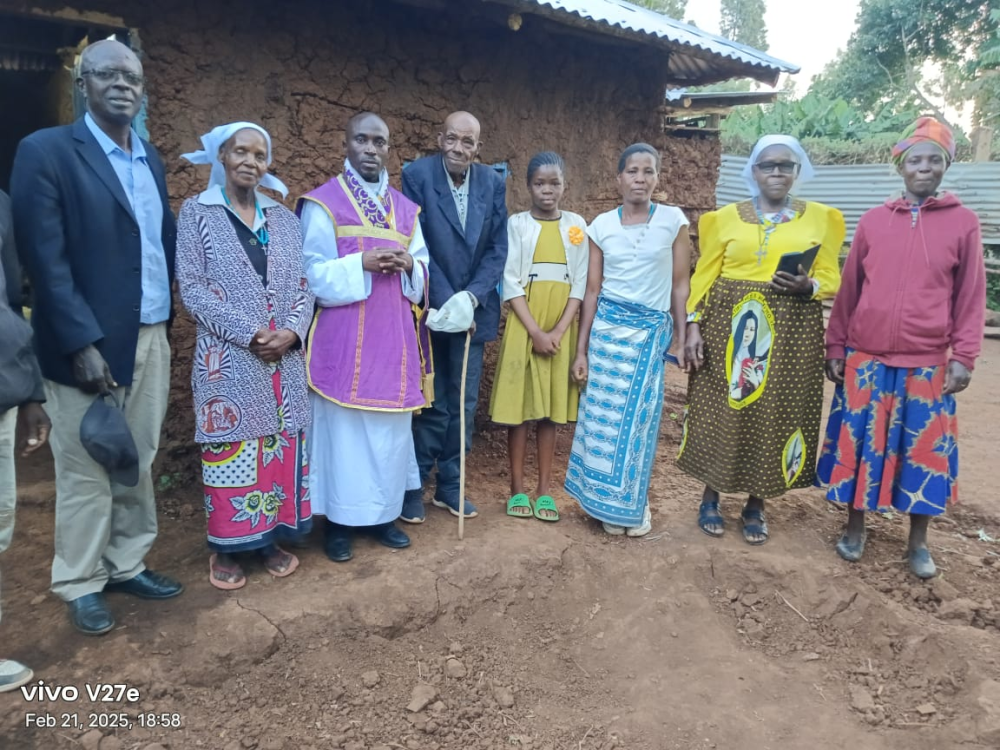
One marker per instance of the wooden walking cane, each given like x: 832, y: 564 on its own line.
x: 461, y: 460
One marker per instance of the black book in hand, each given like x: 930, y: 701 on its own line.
x: 790, y: 262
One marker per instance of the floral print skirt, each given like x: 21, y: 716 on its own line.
x: 892, y: 439
x: 256, y: 491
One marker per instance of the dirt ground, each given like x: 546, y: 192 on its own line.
x: 540, y: 636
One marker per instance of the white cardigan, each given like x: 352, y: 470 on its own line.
x: 522, y: 236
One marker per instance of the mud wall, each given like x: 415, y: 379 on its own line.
x: 303, y: 68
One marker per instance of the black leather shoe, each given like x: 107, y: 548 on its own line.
x: 147, y: 585
x: 390, y: 536
x: 90, y: 614
x: 337, y: 543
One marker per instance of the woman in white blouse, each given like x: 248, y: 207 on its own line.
x: 637, y: 285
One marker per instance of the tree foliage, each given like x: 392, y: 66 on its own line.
x: 832, y: 129
x: 814, y: 116
x: 884, y: 62
x: 670, y: 8
x: 743, y: 22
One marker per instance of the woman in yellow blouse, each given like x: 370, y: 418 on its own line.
x: 754, y: 344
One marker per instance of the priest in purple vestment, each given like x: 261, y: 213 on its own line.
x: 367, y: 358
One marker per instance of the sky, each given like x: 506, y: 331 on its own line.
x: 802, y: 32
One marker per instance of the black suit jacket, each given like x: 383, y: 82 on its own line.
x: 472, y: 260
x: 79, y: 242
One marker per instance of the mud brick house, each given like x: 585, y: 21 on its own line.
x: 584, y: 77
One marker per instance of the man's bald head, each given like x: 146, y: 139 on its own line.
x: 106, y: 51
x: 464, y: 120
x: 111, y: 81
x: 459, y: 143
x: 366, y: 140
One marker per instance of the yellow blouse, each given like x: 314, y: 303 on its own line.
x: 731, y: 240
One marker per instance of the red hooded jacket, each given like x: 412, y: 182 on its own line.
x: 910, y: 293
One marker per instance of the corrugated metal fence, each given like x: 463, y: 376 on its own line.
x: 857, y: 187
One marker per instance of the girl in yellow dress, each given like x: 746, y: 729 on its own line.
x: 544, y: 281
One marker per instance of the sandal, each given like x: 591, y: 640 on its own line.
x: 231, y: 570
x: 708, y: 514
x: 754, y: 524
x: 519, y: 501
x: 545, y: 502
x: 276, y: 554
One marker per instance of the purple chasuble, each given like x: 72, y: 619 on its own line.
x: 372, y: 354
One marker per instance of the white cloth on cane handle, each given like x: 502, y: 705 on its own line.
x: 454, y: 316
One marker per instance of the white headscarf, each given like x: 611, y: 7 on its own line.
x: 806, y: 171
x: 212, y: 142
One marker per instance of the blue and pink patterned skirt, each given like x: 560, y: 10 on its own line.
x: 892, y: 439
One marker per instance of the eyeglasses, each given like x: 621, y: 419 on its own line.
x: 783, y: 167
x: 107, y: 75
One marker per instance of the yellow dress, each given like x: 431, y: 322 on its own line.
x: 529, y: 386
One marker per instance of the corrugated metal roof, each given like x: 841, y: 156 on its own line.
x: 698, y: 57
x: 855, y: 188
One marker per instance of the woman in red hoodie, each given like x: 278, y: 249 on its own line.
x: 906, y: 329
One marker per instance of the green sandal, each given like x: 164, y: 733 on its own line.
x: 546, y: 503
x: 519, y: 501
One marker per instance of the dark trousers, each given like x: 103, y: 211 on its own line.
x: 437, y: 430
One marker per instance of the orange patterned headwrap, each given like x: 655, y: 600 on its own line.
x: 925, y: 130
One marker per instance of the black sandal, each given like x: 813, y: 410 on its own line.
x: 754, y: 524
x: 708, y: 513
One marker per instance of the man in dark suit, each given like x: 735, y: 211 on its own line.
x: 464, y: 222
x: 97, y: 237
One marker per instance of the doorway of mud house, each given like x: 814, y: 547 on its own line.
x: 39, y: 58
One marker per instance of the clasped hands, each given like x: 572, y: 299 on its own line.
x: 386, y: 261
x: 546, y: 342
x: 271, y: 346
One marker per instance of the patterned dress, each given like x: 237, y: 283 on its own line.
x: 618, y: 425
x: 754, y: 408
x: 250, y: 415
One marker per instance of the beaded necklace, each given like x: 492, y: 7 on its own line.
x: 261, y: 234
x: 783, y: 216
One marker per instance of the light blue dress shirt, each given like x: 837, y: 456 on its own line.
x: 137, y: 181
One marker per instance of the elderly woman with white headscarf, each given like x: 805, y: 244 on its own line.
x: 240, y: 272
x: 754, y: 344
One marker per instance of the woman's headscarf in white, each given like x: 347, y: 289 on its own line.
x: 212, y: 142
x: 806, y: 171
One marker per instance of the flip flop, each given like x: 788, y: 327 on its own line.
x: 545, y: 502
x: 708, y: 513
x: 519, y: 501
x: 230, y: 569
x: 754, y: 524
x: 293, y: 563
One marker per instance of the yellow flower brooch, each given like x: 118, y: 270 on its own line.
x: 576, y: 235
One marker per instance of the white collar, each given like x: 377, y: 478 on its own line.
x: 214, y: 197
